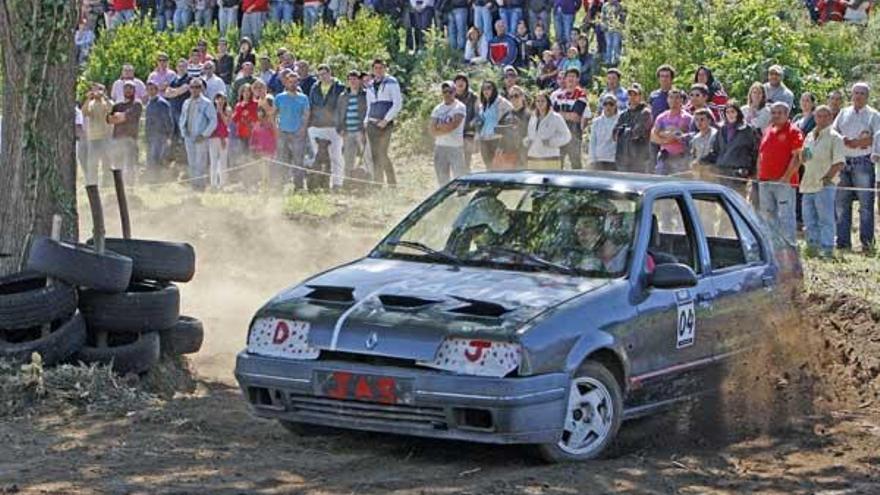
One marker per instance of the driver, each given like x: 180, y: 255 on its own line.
x: 482, y: 223
x: 599, y: 244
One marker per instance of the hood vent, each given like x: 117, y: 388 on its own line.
x: 476, y: 307
x: 329, y: 293
x: 404, y: 302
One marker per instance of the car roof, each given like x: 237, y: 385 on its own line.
x: 610, y: 181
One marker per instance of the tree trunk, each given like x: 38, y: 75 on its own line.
x: 37, y: 157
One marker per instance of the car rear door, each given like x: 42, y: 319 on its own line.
x: 669, y: 344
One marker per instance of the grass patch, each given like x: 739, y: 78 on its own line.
x: 319, y: 205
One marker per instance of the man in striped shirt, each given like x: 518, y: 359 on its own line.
x: 350, y: 113
x: 571, y: 102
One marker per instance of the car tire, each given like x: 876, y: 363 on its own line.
x: 66, y: 339
x: 185, y: 337
x: 599, y: 398
x: 26, y: 301
x: 143, y: 307
x: 306, y: 429
x: 127, y: 354
x: 156, y: 260
x: 80, y: 265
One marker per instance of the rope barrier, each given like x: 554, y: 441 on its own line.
x: 700, y: 173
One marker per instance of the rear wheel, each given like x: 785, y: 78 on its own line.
x: 592, y: 417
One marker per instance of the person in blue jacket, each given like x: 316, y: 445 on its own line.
x: 503, y: 47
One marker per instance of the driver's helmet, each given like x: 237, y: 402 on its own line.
x: 486, y: 211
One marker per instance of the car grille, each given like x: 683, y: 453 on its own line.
x: 419, y: 417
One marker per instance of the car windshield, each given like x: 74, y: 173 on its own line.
x: 518, y: 226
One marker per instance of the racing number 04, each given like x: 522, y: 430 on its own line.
x: 687, y: 325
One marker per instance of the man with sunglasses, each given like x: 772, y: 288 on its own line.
x: 699, y: 100
x: 778, y: 162
x: 198, y: 119
x: 447, y: 127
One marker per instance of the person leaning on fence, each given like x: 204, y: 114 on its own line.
x: 547, y: 134
x: 198, y: 119
x: 823, y: 159
x: 602, y: 146
x: 734, y: 154
x: 778, y: 161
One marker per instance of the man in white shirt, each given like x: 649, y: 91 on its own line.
x: 447, y: 127
x: 776, y: 89
x: 118, y: 89
x: 603, y: 148
x: 213, y: 84
x: 858, y: 124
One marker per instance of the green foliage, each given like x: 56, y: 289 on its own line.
x: 739, y: 41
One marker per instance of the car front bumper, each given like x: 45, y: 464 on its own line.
x: 444, y: 405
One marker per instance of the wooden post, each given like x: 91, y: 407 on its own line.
x: 55, y: 235
x: 123, y: 203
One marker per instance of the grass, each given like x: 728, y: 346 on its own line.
x: 850, y: 273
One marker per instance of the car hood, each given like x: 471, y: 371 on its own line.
x: 406, y: 309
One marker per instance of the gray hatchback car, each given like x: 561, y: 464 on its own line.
x: 526, y: 307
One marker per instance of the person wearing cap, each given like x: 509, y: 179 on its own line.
x: 603, y: 149
x: 632, y: 134
x: 858, y: 124
x: 778, y: 162
x: 225, y: 63
x: 162, y: 76
x: 350, y: 112
x: 571, y: 102
x: 159, y: 127
x: 255, y: 12
x: 503, y: 46
x: 699, y: 100
x: 198, y: 120
x: 228, y: 16
x: 776, y: 89
x: 323, y: 98
x: 669, y: 133
x: 127, y: 76
x: 125, y: 117
x: 613, y: 87
x: 245, y: 54
x: 511, y: 79
x: 447, y: 127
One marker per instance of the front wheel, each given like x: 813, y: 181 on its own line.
x: 592, y: 417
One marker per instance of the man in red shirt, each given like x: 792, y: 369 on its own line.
x: 778, y: 162
x: 123, y: 11
x: 253, y: 17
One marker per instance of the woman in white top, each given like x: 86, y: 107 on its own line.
x: 547, y: 133
x: 756, y: 113
x: 476, y: 48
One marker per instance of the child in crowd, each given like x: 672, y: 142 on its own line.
x: 548, y: 71
x: 572, y: 61
x: 522, y: 41
x: 263, y: 137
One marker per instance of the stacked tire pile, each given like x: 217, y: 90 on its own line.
x: 118, y: 307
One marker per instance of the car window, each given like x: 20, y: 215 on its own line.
x: 672, y: 239
x: 725, y: 246
x: 751, y: 245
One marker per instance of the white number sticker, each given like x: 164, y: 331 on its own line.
x: 687, y: 325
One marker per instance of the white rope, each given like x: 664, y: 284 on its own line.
x: 321, y: 172
x: 700, y: 173
x: 191, y: 179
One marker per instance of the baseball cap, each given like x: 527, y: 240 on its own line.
x: 510, y: 68
x: 635, y: 88
x: 776, y: 69
x: 447, y: 84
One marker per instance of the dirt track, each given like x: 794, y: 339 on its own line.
x: 821, y: 436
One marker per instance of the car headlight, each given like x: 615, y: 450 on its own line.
x: 476, y: 357
x: 278, y: 337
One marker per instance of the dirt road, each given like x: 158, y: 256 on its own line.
x: 823, y: 435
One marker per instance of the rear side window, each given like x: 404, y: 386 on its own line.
x: 731, y: 242
x: 672, y: 239
x: 750, y: 242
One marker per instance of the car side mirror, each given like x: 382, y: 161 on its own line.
x: 672, y: 276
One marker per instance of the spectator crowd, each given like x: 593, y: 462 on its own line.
x: 225, y: 109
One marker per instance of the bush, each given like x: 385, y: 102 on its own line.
x: 739, y: 41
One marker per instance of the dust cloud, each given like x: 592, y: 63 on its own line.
x: 246, y: 251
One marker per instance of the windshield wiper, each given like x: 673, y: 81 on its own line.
x: 534, y: 258
x: 426, y: 249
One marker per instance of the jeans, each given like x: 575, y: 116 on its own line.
x: 448, y: 159
x: 291, y: 150
x: 156, y: 149
x: 311, y: 16
x: 483, y: 21
x: 456, y: 22
x: 777, y: 205
x: 511, y: 17
x: 182, y: 18
x: 380, y: 141
x: 281, y: 11
x: 572, y: 150
x: 564, y: 23
x: 818, y: 214
x: 204, y: 17
x: 352, y: 149
x: 858, y: 172
x: 121, y: 17
x: 197, y: 162
x: 164, y: 19
x: 252, y: 25
x: 420, y: 21
x: 542, y: 16
x: 228, y: 18
x: 337, y: 166
x: 613, y: 42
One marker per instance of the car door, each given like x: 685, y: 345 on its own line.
x: 668, y: 344
x: 739, y: 272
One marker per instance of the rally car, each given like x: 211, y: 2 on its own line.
x: 524, y: 307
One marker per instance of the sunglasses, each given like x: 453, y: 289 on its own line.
x: 610, y: 104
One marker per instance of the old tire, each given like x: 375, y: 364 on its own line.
x: 143, y: 307
x: 67, y: 338
x: 26, y: 301
x: 80, y: 265
x: 156, y: 260
x: 593, y: 415
x: 185, y: 337
x: 127, y: 354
